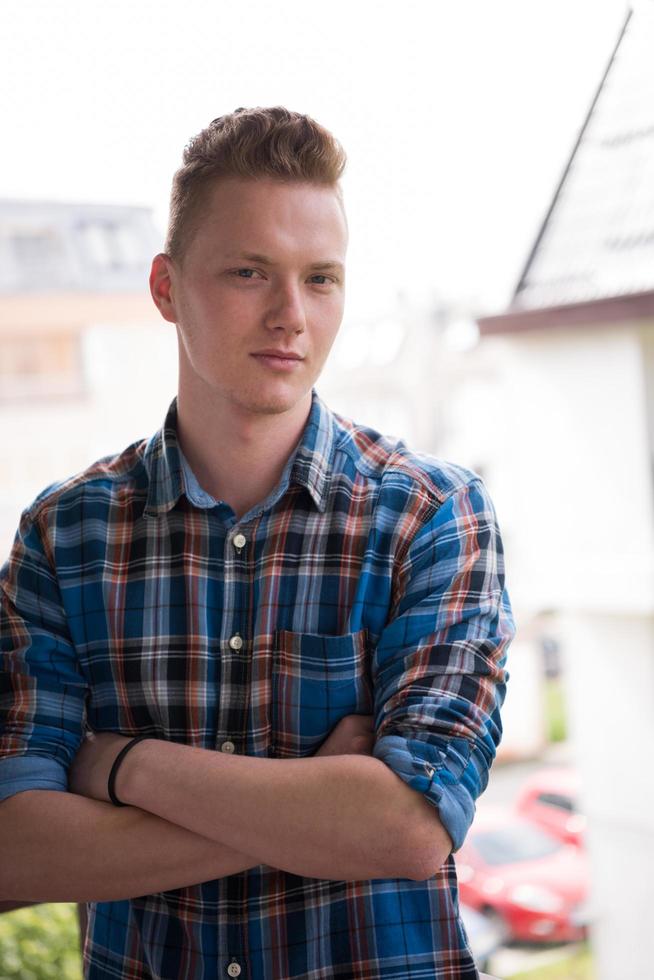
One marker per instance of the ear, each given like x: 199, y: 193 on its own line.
x: 161, y: 286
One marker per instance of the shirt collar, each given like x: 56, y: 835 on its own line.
x: 164, y: 466
x: 314, y: 457
x: 310, y: 467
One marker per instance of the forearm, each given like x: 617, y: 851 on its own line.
x: 345, y: 817
x: 60, y: 847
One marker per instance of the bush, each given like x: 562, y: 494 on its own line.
x: 40, y: 943
x: 555, y: 710
x: 578, y: 965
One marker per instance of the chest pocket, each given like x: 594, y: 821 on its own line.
x: 316, y: 681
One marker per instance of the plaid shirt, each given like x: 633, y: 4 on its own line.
x: 370, y: 581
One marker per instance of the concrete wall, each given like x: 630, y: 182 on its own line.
x: 568, y: 436
x: 568, y: 446
x: 609, y: 662
x: 130, y: 375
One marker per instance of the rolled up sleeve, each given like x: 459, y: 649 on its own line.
x: 438, y: 670
x: 42, y: 691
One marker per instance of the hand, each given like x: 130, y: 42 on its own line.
x: 89, y: 772
x: 353, y: 735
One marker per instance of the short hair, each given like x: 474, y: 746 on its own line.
x: 269, y: 142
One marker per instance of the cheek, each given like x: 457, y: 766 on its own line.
x: 215, y: 322
x: 329, y: 323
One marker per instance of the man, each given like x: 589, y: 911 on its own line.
x: 306, y: 621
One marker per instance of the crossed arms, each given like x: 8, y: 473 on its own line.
x: 194, y: 815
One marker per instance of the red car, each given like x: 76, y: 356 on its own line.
x: 532, y: 884
x: 549, y: 798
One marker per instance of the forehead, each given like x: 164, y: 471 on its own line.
x: 263, y: 214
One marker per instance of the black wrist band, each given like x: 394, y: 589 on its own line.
x: 114, y: 769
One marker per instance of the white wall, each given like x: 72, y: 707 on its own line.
x: 566, y: 426
x: 523, y: 714
x: 565, y: 432
x: 132, y: 373
x: 609, y: 663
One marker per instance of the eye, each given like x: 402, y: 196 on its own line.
x: 245, y: 273
x: 326, y: 280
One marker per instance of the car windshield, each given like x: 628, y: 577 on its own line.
x: 557, y: 800
x: 519, y: 842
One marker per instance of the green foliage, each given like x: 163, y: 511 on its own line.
x: 577, y: 966
x: 40, y: 943
x: 555, y: 710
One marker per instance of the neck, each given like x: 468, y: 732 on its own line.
x: 237, y: 455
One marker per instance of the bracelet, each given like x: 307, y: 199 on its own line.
x: 114, y: 769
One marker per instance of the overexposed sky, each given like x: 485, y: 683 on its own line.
x: 457, y: 117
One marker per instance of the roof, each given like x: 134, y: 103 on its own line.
x: 48, y: 246
x: 596, y: 242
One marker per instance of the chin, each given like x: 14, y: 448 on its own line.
x: 271, y: 402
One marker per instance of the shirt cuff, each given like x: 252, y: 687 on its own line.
x: 442, y: 770
x: 21, y: 772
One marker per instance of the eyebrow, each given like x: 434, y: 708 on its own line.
x: 265, y: 260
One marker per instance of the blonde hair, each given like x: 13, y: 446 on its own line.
x: 272, y: 142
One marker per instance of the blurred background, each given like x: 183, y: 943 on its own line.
x: 500, y: 313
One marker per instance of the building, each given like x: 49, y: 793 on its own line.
x: 77, y: 325
x: 575, y: 352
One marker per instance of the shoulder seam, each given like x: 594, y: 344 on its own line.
x: 397, y: 464
x: 34, y: 510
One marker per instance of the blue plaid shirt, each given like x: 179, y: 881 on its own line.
x: 370, y: 581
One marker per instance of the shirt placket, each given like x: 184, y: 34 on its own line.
x: 231, y: 730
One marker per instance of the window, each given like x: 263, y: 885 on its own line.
x: 555, y: 799
x: 38, y: 256
x: 34, y: 365
x: 108, y: 245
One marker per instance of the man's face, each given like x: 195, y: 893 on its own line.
x: 262, y: 276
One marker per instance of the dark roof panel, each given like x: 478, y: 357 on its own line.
x: 597, y: 240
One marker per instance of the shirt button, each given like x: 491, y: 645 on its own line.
x: 227, y: 747
x: 240, y: 541
x: 235, y: 642
x: 234, y: 970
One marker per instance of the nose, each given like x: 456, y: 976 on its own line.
x: 286, y: 311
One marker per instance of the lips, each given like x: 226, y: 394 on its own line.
x: 283, y: 362
x: 285, y: 355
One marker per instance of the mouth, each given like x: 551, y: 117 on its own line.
x: 285, y: 355
x: 280, y: 360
